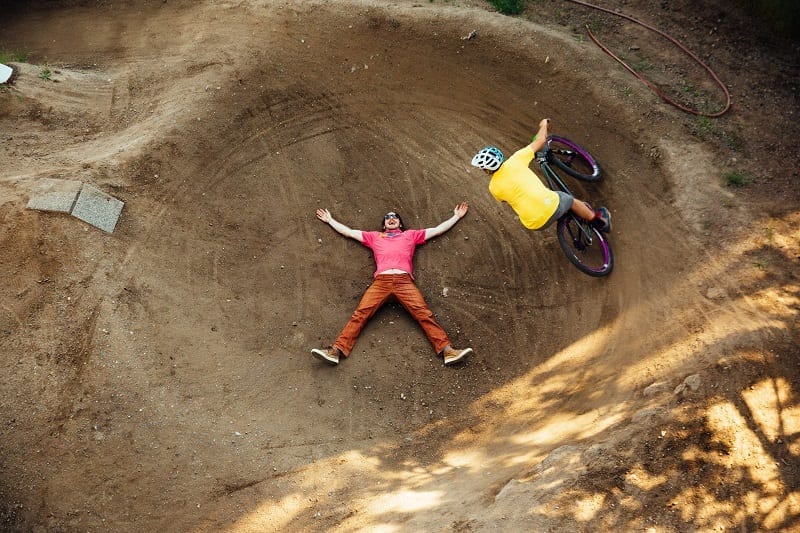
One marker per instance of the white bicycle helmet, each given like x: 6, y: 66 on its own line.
x: 489, y: 158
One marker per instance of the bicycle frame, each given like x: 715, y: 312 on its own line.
x: 584, y: 244
x: 555, y: 182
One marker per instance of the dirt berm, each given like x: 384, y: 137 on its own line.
x: 159, y: 378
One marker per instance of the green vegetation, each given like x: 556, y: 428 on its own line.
x: 705, y: 128
x: 10, y: 56
x: 690, y: 89
x: 770, y: 234
x: 508, y: 7
x: 45, y: 74
x: 731, y: 140
x: 701, y: 98
x: 642, y: 65
x: 739, y: 178
x: 594, y: 25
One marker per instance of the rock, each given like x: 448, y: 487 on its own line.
x: 655, y: 388
x: 691, y: 383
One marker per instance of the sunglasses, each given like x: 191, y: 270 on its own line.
x: 387, y: 216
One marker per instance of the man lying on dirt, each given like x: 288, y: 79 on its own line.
x: 536, y: 205
x: 393, y: 250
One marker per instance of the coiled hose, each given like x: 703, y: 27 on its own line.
x: 647, y: 82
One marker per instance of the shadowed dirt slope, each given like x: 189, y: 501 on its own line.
x: 160, y: 377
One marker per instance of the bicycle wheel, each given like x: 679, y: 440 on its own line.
x: 586, y: 247
x: 572, y: 159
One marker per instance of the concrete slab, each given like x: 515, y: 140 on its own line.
x: 51, y: 194
x: 97, y: 208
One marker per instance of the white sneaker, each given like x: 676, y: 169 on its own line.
x: 329, y: 355
x: 451, y: 355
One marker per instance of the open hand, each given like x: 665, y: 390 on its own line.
x: 324, y: 215
x: 461, y: 209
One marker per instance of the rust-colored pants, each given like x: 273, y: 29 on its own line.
x: 405, y: 291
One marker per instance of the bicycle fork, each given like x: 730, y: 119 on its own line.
x: 584, y: 238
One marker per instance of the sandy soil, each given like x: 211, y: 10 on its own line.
x: 160, y: 377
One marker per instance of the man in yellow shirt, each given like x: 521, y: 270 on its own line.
x: 515, y: 183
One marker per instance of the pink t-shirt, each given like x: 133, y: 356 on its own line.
x: 394, y: 250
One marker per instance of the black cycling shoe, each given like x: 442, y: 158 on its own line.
x: 602, y: 219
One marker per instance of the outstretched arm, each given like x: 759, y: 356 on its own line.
x: 325, y: 216
x: 458, y: 213
x: 540, y: 138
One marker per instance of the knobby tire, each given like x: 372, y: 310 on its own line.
x: 595, y: 259
x: 572, y: 159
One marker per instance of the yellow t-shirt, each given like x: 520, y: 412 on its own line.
x: 516, y: 184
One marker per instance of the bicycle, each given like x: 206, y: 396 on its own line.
x: 585, y: 246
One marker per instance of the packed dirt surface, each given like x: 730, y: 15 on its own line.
x: 159, y: 378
